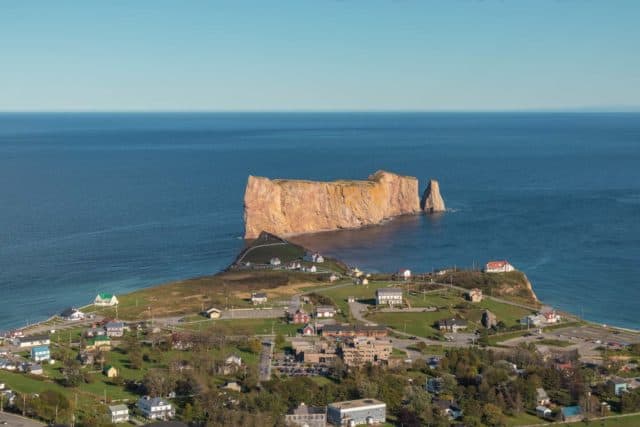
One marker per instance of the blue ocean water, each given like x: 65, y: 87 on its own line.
x: 115, y: 202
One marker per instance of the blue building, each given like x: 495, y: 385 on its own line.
x: 40, y: 353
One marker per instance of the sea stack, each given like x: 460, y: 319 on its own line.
x: 431, y: 199
x: 287, y: 207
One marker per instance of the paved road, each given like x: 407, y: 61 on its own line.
x: 12, y: 420
x: 265, y: 360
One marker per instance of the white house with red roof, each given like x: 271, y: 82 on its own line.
x: 498, y: 267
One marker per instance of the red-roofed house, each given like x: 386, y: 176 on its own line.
x: 498, y: 267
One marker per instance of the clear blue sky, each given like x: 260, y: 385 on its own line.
x: 319, y: 55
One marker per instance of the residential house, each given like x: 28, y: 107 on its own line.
x: 404, y: 274
x: 105, y: 300
x: 571, y: 413
x: 86, y: 358
x: 114, y: 329
x: 544, y: 412
x: 533, y: 320
x: 542, y: 398
x: 275, y: 261
x: 489, y: 319
x: 258, y: 298
x: 448, y: 408
x: 40, y: 353
x: 435, y: 385
x: 325, y: 311
x: 155, y: 408
x: 498, y: 267
x: 33, y: 340
x: 102, y: 342
x: 618, y: 386
x: 72, y: 314
x: 306, y: 416
x: 333, y: 277
x: 94, y: 332
x: 311, y: 269
x: 110, y: 371
x: 357, y: 412
x: 34, y: 369
x: 213, y: 313
x: 359, y: 351
x: 308, y: 330
x: 231, y: 364
x: 550, y: 315
x: 232, y: 386
x: 452, y: 325
x: 362, y: 280
x: 389, y: 296
x: 317, y: 258
x: 475, y: 295
x: 119, y: 413
x: 299, y: 317
x: 354, y: 331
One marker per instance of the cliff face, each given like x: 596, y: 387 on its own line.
x: 286, y: 207
x: 431, y: 199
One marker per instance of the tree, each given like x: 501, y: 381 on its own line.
x: 492, y: 415
x: 280, y: 341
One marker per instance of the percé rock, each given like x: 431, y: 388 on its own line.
x: 431, y: 199
x: 286, y: 207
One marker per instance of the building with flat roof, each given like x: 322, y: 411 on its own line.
x: 119, y: 413
x: 389, y: 296
x: 359, y: 351
x: 357, y: 412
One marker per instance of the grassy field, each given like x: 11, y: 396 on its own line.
x: 247, y: 327
x: 523, y: 419
x: 554, y: 343
x: 362, y: 293
x: 624, y: 421
x: 507, y: 313
x: 418, y: 324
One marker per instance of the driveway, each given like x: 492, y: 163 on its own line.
x: 18, y: 421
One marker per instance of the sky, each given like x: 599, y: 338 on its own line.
x: 319, y: 55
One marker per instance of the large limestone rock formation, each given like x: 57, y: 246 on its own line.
x: 285, y: 207
x: 431, y: 199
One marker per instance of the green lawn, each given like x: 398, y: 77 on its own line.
x: 507, y: 313
x: 418, y: 324
x: 248, y: 327
x: 445, y: 298
x: 628, y: 421
x: 554, y: 343
x: 360, y: 292
x: 523, y: 419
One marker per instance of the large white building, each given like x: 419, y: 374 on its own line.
x: 498, y: 267
x: 155, y: 408
x: 357, y: 412
x: 389, y: 296
x: 119, y: 413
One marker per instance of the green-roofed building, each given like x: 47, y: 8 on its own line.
x: 105, y: 300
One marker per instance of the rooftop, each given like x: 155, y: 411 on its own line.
x: 359, y: 403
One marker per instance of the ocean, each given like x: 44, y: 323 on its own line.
x: 115, y: 202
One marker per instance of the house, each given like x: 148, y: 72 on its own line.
x: 433, y: 362
x: 72, y: 314
x: 389, y: 296
x: 404, y: 274
x: 299, y: 317
x: 357, y: 412
x: 618, y: 386
x: 325, y: 311
x: 213, y: 313
x: 308, y: 416
x: 110, y: 371
x: 543, y: 412
x: 114, y: 329
x: 362, y: 280
x: 475, y: 295
x: 351, y: 299
x: 550, y: 315
x: 102, y: 342
x: 435, y: 385
x: 40, y: 353
x: 452, y: 325
x: 34, y: 369
x: 86, y: 358
x: 489, y: 319
x: 359, y: 351
x: 542, y: 398
x: 232, y: 386
x: 354, y: 331
x: 571, y: 413
x: 275, y: 261
x: 532, y: 320
x: 119, y: 413
x: 105, y: 300
x: 312, y: 269
x: 498, y: 267
x: 94, y: 332
x: 155, y: 408
x: 317, y: 258
x: 258, y: 298
x: 231, y: 364
x: 333, y: 277
x: 31, y: 341
x: 448, y: 408
x: 308, y: 330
